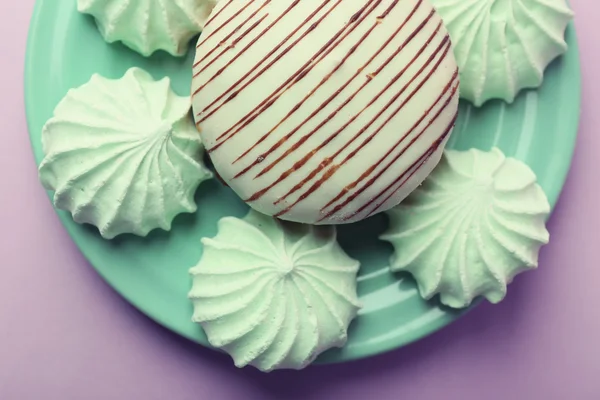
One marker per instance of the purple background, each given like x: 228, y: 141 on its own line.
x: 65, y: 334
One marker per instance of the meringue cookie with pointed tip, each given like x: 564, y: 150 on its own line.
x: 274, y: 294
x: 123, y: 155
x: 146, y: 26
x: 503, y: 46
x: 477, y: 222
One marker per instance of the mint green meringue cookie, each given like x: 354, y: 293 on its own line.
x: 149, y: 25
x: 503, y: 46
x: 476, y: 222
x: 123, y: 155
x: 274, y: 294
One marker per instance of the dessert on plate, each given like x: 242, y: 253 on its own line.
x: 504, y: 46
x: 123, y: 155
x: 146, y: 26
x: 324, y: 112
x: 315, y: 113
x: 274, y: 294
x: 477, y: 221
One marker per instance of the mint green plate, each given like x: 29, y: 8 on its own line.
x: 65, y: 49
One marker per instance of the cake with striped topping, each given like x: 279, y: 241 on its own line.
x: 324, y: 112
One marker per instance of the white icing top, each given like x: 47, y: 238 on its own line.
x: 476, y: 222
x: 274, y: 294
x: 328, y: 111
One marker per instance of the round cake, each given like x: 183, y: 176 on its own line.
x: 324, y: 112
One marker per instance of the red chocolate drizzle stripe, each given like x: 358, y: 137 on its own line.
x: 222, y: 43
x: 324, y: 104
x: 319, y: 108
x: 328, y: 174
x: 297, y: 76
x: 211, y: 19
x: 378, y: 163
x: 234, y: 16
x: 299, y: 164
x: 225, y: 47
x: 249, y: 45
x: 403, y: 179
x: 328, y: 160
x: 299, y: 143
x: 428, y: 154
x: 448, y: 89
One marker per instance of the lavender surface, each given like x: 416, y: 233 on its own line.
x: 65, y: 334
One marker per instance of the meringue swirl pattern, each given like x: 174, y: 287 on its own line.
x: 123, y: 155
x: 146, y: 26
x: 503, y: 46
x: 274, y: 294
x: 476, y: 222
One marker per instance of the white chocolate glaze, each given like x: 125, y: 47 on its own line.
x: 324, y: 111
